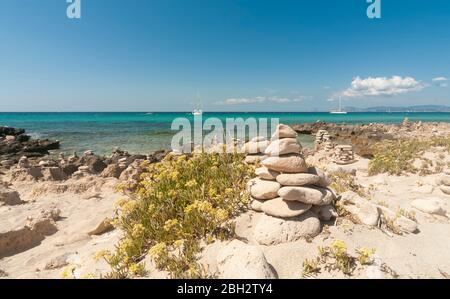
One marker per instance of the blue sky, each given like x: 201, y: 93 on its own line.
x: 248, y: 55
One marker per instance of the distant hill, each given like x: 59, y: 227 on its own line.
x: 420, y: 108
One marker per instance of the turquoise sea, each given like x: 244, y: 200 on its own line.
x: 140, y: 132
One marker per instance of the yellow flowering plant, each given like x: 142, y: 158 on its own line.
x: 176, y: 204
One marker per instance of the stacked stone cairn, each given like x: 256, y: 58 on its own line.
x: 323, y: 141
x: 343, y: 154
x: 291, y: 196
x: 444, y: 182
x: 255, y: 149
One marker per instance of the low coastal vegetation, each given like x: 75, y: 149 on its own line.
x: 342, y: 182
x: 397, y: 157
x: 336, y: 257
x: 179, y: 204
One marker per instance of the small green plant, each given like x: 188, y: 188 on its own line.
x: 176, y: 204
x: 408, y: 214
x: 336, y: 257
x: 311, y: 267
x: 344, y: 261
x: 365, y: 255
x: 342, y: 182
x: 389, y: 224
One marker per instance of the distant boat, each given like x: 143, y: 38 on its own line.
x: 340, y: 111
x: 197, y: 111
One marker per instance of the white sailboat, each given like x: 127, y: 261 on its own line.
x: 197, y: 111
x: 340, y: 111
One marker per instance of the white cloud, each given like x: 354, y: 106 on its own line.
x: 260, y: 100
x: 441, y: 81
x: 382, y: 86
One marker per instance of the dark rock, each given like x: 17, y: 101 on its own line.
x: 69, y: 169
x: 23, y: 145
x: 95, y: 163
x: 10, y: 131
x: 112, y: 171
x: 157, y: 156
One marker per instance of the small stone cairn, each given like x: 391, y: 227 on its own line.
x: 291, y: 195
x: 323, y: 141
x: 343, y: 154
x: 444, y: 182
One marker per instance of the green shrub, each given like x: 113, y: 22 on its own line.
x: 397, y: 157
x: 178, y: 203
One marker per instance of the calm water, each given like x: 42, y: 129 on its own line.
x: 140, y: 132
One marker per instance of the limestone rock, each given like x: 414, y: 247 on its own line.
x: 445, y: 189
x: 307, y: 194
x: 361, y: 208
x: 256, y: 204
x: 258, y: 138
x: 285, y: 209
x: 288, y: 164
x: 424, y: 189
x: 444, y: 180
x: 254, y: 159
x: 429, y: 206
x: 298, y: 179
x: 400, y: 221
x: 266, y: 174
x: 324, y: 179
x: 53, y: 174
x: 133, y: 172
x: 325, y: 213
x: 255, y: 147
x: 283, y: 146
x: 112, y: 171
x: 238, y: 260
x: 263, y: 189
x: 9, y: 197
x: 271, y: 230
x: 283, y: 131
x: 102, y: 227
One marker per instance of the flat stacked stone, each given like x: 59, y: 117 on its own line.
x: 344, y: 154
x: 255, y: 150
x: 287, y: 188
x: 444, y: 182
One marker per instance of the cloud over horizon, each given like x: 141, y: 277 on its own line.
x: 260, y: 100
x: 381, y: 86
x: 440, y: 81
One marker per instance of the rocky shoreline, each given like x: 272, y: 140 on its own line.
x: 363, y: 136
